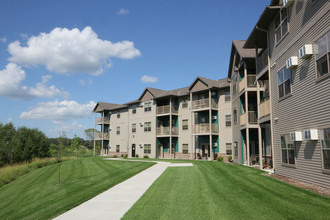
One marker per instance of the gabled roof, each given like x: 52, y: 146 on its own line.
x: 210, y: 83
x: 132, y: 102
x: 176, y: 92
x: 154, y: 92
x: 237, y: 46
x: 107, y: 106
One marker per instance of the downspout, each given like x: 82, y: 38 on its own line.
x: 270, y: 95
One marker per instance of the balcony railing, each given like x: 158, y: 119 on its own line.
x: 241, y: 85
x: 204, y: 103
x: 250, y: 82
x: 205, y: 128
x: 101, y: 120
x: 243, y: 119
x: 252, y: 118
x: 166, y: 131
x: 262, y: 61
x: 165, y: 109
x: 264, y: 108
x: 100, y: 135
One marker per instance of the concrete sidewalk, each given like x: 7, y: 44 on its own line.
x: 116, y: 201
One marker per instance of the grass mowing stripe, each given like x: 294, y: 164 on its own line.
x: 214, y: 190
x: 37, y: 194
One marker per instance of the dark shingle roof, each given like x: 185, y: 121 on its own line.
x: 244, y: 53
x: 107, y: 106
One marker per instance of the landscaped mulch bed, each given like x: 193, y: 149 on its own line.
x: 308, y: 186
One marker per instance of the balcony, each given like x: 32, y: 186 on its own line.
x: 165, y: 109
x: 204, y: 128
x: 204, y: 103
x: 102, y: 120
x: 264, y: 108
x: 252, y: 118
x: 250, y: 82
x: 166, y: 131
x: 101, y: 136
x: 262, y: 61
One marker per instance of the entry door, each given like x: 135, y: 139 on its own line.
x: 160, y: 150
x: 133, y: 150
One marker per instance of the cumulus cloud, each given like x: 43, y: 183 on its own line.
x: 70, y: 51
x: 86, y: 82
x: 10, y: 85
x: 3, y: 40
x: 57, y: 111
x: 123, y: 11
x: 149, y: 79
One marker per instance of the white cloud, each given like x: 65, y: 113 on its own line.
x: 57, y: 111
x: 149, y: 79
x: 86, y: 82
x: 10, y: 85
x: 70, y: 51
x: 24, y: 36
x: 123, y: 11
x: 10, y: 120
x: 3, y: 40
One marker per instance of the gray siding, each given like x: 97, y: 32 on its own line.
x: 308, y: 107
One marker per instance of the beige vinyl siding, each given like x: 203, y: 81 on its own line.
x: 308, y: 107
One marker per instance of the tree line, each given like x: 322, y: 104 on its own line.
x: 23, y: 144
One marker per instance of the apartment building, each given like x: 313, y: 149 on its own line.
x: 291, y: 41
x: 188, y: 123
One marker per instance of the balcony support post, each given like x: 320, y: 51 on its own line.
x: 102, y: 132
x: 191, y: 127
x: 170, y: 127
x: 210, y: 125
x: 94, y: 135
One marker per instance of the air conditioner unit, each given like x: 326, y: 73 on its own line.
x: 292, y: 62
x: 141, y: 124
x: 141, y: 105
x: 214, y: 117
x: 311, y: 134
x: 215, y: 144
x: 287, y: 3
x: 141, y: 145
x: 214, y: 93
x: 296, y: 136
x: 306, y: 51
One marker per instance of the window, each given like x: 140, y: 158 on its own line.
x: 185, y: 124
x: 118, y: 114
x: 288, y: 150
x: 147, y: 107
x: 134, y: 109
x: 228, y: 149
x: 147, y: 148
x: 235, y: 116
x: 227, y: 96
x: 234, y: 83
x: 281, y: 24
x: 185, y: 148
x: 228, y: 120
x: 118, y: 130
x: 117, y: 148
x: 147, y: 126
x: 236, y: 149
x: 325, y: 141
x: 322, y: 46
x: 284, y: 82
x: 185, y: 103
x: 133, y: 128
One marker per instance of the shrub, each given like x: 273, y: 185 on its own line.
x: 146, y: 156
x: 230, y: 158
x: 136, y: 155
x: 115, y: 156
x: 125, y: 156
x: 219, y: 158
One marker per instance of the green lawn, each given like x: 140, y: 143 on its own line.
x: 215, y: 190
x: 37, y: 195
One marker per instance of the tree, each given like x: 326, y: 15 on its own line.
x: 89, y: 133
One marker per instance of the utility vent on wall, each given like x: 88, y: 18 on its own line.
x: 287, y: 3
x: 296, y: 136
x: 311, y: 134
x: 292, y: 62
x: 306, y: 51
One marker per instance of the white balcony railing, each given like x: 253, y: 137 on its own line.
x: 165, y: 109
x: 243, y: 119
x: 166, y: 131
x: 204, y: 103
x: 264, y: 108
x: 101, y: 120
x: 101, y: 136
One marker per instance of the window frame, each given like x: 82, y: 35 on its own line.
x: 324, y: 140
x: 228, y: 122
x: 147, y: 126
x: 285, y: 149
x: 184, y: 103
x: 118, y: 130
x: 117, y: 148
x: 147, y: 107
x: 279, y: 27
x: 236, y: 149
x: 133, y: 127
x: 134, y: 109
x: 185, y: 126
x: 284, y: 82
x: 227, y: 96
x: 118, y: 114
x: 147, y: 148
x: 235, y: 115
x: 231, y: 149
x: 185, y: 149
x: 325, y: 55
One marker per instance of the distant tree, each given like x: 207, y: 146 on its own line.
x: 60, y: 148
x: 89, y: 133
x: 75, y: 145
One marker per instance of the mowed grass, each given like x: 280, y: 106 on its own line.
x: 215, y: 190
x: 37, y: 195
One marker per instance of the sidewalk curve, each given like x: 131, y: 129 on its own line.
x: 116, y: 201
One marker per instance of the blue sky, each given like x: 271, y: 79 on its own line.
x: 59, y: 58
